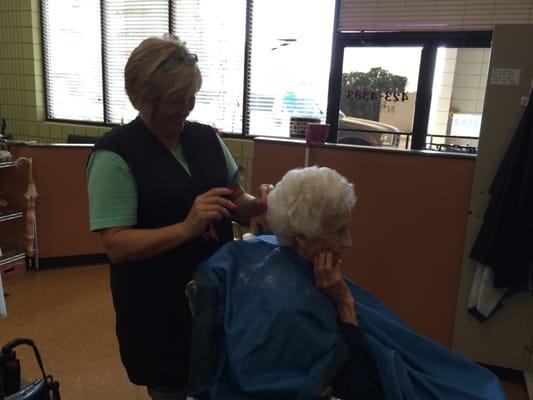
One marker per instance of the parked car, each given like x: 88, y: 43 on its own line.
x: 351, y: 130
x: 365, y: 132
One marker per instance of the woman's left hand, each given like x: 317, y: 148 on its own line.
x: 261, y: 198
x: 328, y: 278
x: 249, y: 206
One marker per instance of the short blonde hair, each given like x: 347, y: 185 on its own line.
x: 305, y: 199
x: 155, y: 70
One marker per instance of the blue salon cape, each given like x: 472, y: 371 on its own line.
x: 274, y: 335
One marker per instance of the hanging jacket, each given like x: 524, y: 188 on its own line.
x: 505, y: 240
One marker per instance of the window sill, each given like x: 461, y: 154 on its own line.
x: 350, y: 147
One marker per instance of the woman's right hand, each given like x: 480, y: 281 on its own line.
x: 207, y: 207
x: 328, y: 278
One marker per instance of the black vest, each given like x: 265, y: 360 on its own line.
x: 153, y: 321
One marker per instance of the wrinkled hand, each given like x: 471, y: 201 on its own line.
x: 207, y: 207
x: 328, y: 278
x: 261, y: 198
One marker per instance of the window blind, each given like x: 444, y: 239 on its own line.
x: 73, y: 61
x: 125, y: 24
x: 215, y: 31
x: 285, y: 72
x: 432, y: 15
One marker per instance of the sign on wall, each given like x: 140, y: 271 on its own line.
x: 505, y: 76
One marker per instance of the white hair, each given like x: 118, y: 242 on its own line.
x: 304, y: 199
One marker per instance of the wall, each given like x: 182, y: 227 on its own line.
x: 21, y: 83
x: 506, y: 339
x: 408, y: 226
x: 62, y: 205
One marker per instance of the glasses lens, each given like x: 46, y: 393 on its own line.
x: 189, y: 59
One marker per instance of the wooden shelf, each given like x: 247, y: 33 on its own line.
x: 7, y: 164
x: 11, y: 214
x: 12, y: 256
x: 14, y: 242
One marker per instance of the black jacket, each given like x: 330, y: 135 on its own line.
x: 505, y: 240
x: 153, y: 321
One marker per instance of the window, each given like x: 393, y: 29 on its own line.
x: 262, y: 61
x: 410, y: 89
x: 458, y: 93
x: 73, y: 76
x: 216, y: 31
x: 291, y: 56
x: 101, y: 35
x: 378, y: 95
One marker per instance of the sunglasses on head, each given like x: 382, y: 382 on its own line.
x: 187, y: 59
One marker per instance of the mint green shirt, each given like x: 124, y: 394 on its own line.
x: 112, y: 189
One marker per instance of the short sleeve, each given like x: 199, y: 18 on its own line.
x: 112, y: 191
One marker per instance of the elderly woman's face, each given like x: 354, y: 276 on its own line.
x: 169, y: 114
x: 335, y: 238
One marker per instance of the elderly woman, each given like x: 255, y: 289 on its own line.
x: 161, y: 194
x: 273, y: 318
